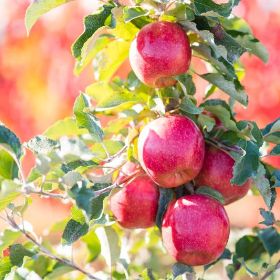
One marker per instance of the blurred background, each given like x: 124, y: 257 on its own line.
x: 38, y: 87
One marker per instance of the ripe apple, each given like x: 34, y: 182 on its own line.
x: 160, y: 50
x: 135, y: 205
x: 195, y: 229
x: 6, y: 252
x: 171, y: 150
x: 217, y: 172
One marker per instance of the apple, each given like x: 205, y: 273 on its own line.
x: 195, y: 229
x: 135, y: 205
x: 6, y: 252
x: 160, y: 51
x: 171, y: 150
x: 217, y: 172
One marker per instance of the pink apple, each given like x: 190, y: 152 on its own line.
x: 135, y: 205
x: 195, y: 229
x: 160, y: 51
x: 217, y: 172
x: 171, y: 150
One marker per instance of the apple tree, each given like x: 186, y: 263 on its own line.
x: 147, y: 162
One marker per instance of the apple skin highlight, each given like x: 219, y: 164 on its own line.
x: 160, y: 51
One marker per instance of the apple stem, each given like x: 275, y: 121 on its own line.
x: 190, y: 188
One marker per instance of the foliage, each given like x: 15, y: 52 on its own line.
x: 71, y: 153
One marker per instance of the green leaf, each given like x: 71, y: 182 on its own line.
x: 148, y: 274
x: 270, y: 239
x: 42, y: 145
x: 187, y: 84
x: 9, y: 192
x: 210, y: 192
x: 10, y: 153
x: 87, y: 200
x: 8, y: 238
x: 92, y: 23
x: 206, y: 123
x: 87, y: 120
x: 231, y: 87
x: 114, y: 96
x: 73, y: 231
x: 8, y: 166
x: 5, y: 267
x: 121, y: 30
x: 9, y: 139
x: 180, y: 269
x: 276, y: 178
x: 77, y: 215
x: 40, y: 265
x: 17, y: 253
x: 263, y: 185
x: 247, y: 165
x: 165, y: 197
x: 250, y: 130
x: 110, y: 247
x: 181, y: 12
x: 189, y: 107
x: 275, y: 151
x: 59, y: 270
x: 111, y: 146
x: 130, y: 13
x: 253, y: 46
x: 249, y: 247
x: 209, y: 6
x: 222, y: 111
x: 38, y: 8
x: 222, y: 38
x: 71, y: 178
x: 65, y: 127
x: 89, y: 50
x: 233, y: 267
x: 108, y: 61
x: 93, y: 245
x: 268, y: 216
x: 271, y: 132
x: 81, y: 165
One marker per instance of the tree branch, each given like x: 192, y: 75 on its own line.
x: 46, y: 252
x: 46, y: 194
x: 111, y: 158
x: 268, y: 273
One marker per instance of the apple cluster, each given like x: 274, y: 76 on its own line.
x: 172, y: 153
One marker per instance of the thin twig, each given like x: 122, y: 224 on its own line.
x: 121, y: 151
x: 46, y: 252
x: 46, y: 194
x: 268, y: 273
x: 102, y: 191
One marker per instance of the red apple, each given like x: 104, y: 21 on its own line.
x: 135, y: 205
x: 171, y: 150
x: 195, y: 229
x: 217, y: 172
x: 160, y: 50
x: 6, y: 252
